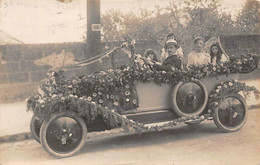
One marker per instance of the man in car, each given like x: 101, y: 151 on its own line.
x: 172, y: 62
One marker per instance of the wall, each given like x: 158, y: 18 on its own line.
x: 24, y: 67
x: 237, y: 45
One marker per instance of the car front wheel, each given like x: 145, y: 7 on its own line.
x: 64, y: 134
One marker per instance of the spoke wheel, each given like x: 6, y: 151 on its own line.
x: 35, y: 127
x: 231, y: 113
x: 189, y: 98
x: 64, y: 134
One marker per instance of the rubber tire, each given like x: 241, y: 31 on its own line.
x: 54, y: 117
x: 174, y: 105
x: 225, y: 128
x: 34, y: 132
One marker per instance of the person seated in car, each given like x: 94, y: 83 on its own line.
x: 217, y: 55
x: 199, y: 56
x: 164, y: 53
x: 149, y: 54
x: 172, y: 62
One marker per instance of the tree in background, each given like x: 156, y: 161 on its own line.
x: 112, y: 25
x: 248, y: 19
x: 186, y: 19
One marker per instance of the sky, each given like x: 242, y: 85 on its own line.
x: 50, y: 21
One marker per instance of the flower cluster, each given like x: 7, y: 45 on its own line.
x: 54, y: 85
x: 245, y: 64
x: 228, y: 88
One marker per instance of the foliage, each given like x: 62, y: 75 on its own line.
x: 186, y: 19
x: 248, y: 19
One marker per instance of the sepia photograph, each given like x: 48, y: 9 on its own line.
x: 129, y: 82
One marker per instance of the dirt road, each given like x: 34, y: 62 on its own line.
x: 202, y: 144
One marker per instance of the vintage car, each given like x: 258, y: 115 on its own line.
x: 65, y: 110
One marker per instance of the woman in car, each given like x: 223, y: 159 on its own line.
x: 199, y: 56
x: 217, y: 56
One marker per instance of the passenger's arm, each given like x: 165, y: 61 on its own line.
x: 189, y: 62
x: 163, y: 55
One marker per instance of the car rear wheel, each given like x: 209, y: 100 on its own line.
x: 64, y: 134
x: 35, y: 127
x: 231, y: 113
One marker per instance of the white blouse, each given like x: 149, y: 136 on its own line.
x: 195, y: 58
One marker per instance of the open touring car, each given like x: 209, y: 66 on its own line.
x: 142, y: 98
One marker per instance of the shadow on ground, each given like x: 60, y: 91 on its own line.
x: 180, y: 133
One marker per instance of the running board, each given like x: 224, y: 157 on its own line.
x: 143, y: 110
x: 171, y: 123
x: 152, y: 116
x: 157, y: 124
x: 147, y: 112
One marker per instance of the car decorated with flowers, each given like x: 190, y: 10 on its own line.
x: 145, y: 99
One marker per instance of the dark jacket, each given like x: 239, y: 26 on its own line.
x: 170, y: 61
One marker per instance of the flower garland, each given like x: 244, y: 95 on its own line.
x: 227, y: 88
x: 97, y: 94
